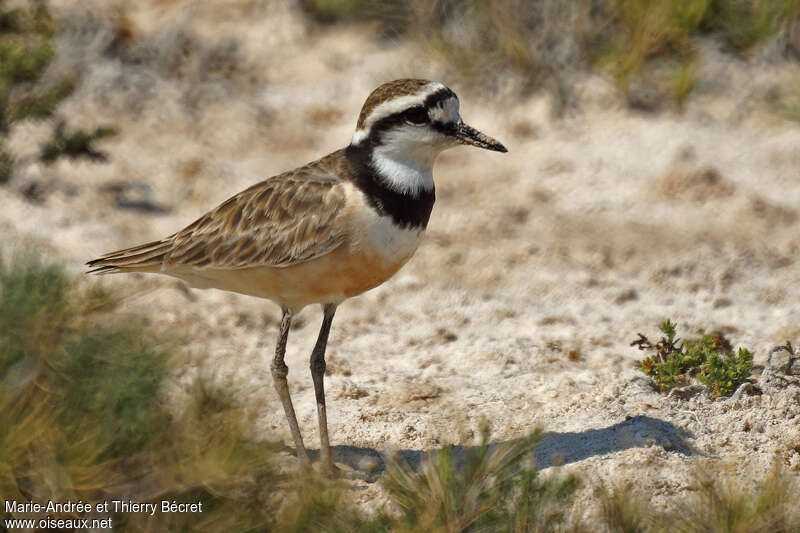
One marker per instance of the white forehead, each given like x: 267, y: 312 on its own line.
x: 446, y: 111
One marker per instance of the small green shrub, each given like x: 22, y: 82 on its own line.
x: 723, y: 372
x: 709, y: 359
x: 75, y: 144
x: 649, y: 30
x: 117, y: 375
x: 747, y: 23
x: 26, y: 51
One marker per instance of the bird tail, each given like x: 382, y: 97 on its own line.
x: 143, y: 258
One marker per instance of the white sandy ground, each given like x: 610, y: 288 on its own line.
x: 539, y: 267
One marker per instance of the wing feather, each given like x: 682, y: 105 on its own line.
x: 279, y: 222
x: 282, y: 221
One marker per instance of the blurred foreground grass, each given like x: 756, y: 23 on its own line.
x: 82, y: 417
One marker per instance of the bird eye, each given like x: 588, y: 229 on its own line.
x: 416, y: 116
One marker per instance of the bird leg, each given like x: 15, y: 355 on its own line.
x: 318, y: 375
x: 279, y: 373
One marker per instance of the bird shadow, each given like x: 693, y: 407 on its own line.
x: 554, y: 449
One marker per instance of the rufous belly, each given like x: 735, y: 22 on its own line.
x: 331, y: 278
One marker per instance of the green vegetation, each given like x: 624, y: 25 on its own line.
x: 637, y: 42
x: 709, y: 359
x: 647, y: 30
x: 723, y: 504
x: 659, y: 39
x: 77, y: 396
x: 718, y: 502
x: 334, y: 10
x: 492, y: 488
x: 81, y: 415
x: 785, y: 103
x: 75, y: 144
x: 26, y: 50
x: 748, y: 23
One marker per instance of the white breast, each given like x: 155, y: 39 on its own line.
x: 391, y: 242
x: 378, y: 235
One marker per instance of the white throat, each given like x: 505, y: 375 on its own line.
x: 406, y: 168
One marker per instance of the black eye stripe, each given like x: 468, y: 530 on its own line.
x: 386, y: 123
x: 447, y: 128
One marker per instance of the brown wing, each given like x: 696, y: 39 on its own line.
x: 284, y: 220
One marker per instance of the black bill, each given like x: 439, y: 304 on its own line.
x: 469, y: 135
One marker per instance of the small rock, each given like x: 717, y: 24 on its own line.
x: 625, y: 296
x: 722, y: 302
x: 36, y: 192
x: 744, y: 390
x: 336, y: 365
x: 780, y: 360
x: 445, y: 336
x: 684, y: 393
x: 646, y: 96
x: 408, y: 392
x: 420, y: 391
x: 352, y: 391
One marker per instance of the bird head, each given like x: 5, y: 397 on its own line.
x: 405, y: 124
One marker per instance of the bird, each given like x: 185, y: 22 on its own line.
x: 323, y: 232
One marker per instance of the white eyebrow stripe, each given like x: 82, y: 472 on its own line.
x: 359, y: 136
x: 393, y: 106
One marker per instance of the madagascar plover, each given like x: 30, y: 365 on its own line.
x: 323, y: 232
